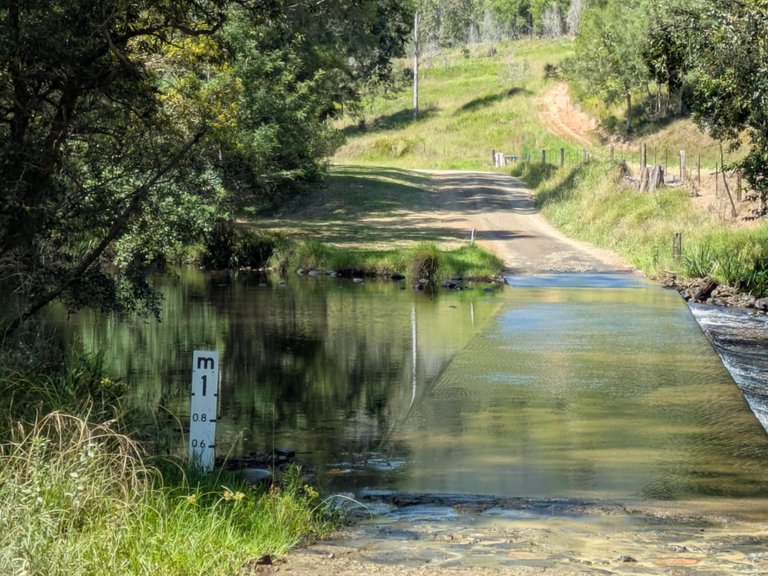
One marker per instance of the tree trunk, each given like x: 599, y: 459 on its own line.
x: 629, y: 111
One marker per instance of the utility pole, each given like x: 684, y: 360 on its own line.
x: 416, y: 48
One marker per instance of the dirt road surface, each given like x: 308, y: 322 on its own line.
x: 502, y: 213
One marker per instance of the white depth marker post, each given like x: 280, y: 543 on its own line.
x: 204, y: 404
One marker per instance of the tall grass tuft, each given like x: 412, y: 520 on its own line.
x: 78, y: 499
x: 68, y: 492
x: 426, y: 262
x: 698, y: 260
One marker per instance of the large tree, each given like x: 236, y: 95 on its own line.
x: 125, y: 124
x: 725, y: 49
x: 85, y: 140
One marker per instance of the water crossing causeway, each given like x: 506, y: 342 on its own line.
x: 577, y: 423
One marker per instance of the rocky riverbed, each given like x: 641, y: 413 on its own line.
x: 403, y: 535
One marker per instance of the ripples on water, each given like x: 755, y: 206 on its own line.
x: 558, y: 386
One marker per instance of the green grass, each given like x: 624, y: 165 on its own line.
x: 78, y: 497
x: 737, y: 258
x: 590, y: 202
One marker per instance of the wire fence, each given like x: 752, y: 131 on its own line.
x: 651, y: 167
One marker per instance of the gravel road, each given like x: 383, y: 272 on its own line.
x: 501, y: 211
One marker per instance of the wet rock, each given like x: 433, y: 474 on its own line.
x: 285, y: 452
x: 397, y: 276
x: 761, y: 304
x: 625, y: 558
x: 703, y: 290
x: 257, y: 475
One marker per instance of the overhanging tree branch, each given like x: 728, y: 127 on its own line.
x: 118, y: 227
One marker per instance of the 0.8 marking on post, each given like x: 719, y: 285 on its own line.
x: 203, y: 409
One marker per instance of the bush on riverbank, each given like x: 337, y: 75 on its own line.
x: 78, y: 497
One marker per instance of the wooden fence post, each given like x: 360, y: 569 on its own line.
x: 543, y: 156
x: 562, y: 157
x: 698, y: 168
x: 643, y: 156
x: 677, y: 246
x: 682, y: 164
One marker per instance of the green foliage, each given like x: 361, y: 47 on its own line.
x: 87, y: 144
x: 127, y: 131
x: 79, y: 499
x: 232, y: 246
x: 608, y: 60
x: 730, y: 79
x: 80, y: 386
x: 526, y: 17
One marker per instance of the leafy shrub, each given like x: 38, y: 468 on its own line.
x: 231, y: 246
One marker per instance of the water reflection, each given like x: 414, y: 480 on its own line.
x: 540, y: 389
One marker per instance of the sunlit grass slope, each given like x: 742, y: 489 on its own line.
x: 470, y: 103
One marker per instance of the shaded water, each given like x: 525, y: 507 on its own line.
x: 568, y: 386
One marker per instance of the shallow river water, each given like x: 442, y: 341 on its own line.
x: 599, y: 387
x: 571, y: 424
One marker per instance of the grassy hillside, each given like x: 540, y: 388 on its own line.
x: 484, y: 99
x: 489, y: 98
x: 470, y: 103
